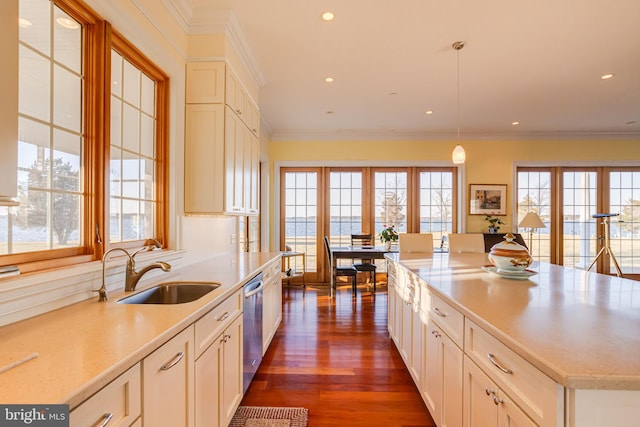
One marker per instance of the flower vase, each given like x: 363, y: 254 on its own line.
x: 493, y: 230
x: 387, y: 245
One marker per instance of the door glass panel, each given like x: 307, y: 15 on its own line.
x: 390, y: 200
x: 534, y: 195
x: 345, y: 206
x: 579, y: 228
x: 624, y: 199
x: 301, y: 215
x: 436, y: 204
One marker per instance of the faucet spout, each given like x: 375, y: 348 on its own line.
x: 133, y: 276
x: 102, y: 292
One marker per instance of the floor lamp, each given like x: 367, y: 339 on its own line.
x: 531, y: 221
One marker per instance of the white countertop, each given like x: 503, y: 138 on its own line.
x: 582, y: 329
x: 82, y: 347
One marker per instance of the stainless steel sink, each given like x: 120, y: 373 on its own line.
x: 171, y: 293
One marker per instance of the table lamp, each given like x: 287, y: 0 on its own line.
x: 531, y: 221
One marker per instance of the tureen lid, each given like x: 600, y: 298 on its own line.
x: 509, y: 247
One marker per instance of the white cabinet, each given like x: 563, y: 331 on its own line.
x: 118, y: 403
x: 272, y: 303
x: 204, y: 170
x: 228, y: 143
x: 486, y: 405
x: 541, y: 398
x: 218, y: 365
x: 168, y: 383
x: 443, y: 380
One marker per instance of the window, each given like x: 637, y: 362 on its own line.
x: 566, y: 200
x: 64, y: 137
x: 341, y: 201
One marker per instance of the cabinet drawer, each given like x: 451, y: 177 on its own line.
x: 537, y: 394
x: 448, y: 318
x: 209, y: 326
x: 119, y: 400
x: 271, y: 272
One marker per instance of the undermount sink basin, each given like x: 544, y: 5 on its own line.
x: 171, y: 293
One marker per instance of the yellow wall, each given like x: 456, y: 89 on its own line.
x: 488, y: 162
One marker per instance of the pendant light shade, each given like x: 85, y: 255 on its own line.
x: 458, y: 156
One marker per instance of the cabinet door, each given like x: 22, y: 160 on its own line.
x: 207, y: 385
x: 205, y: 83
x: 204, y: 158
x: 234, y: 163
x: 252, y: 163
x: 443, y: 388
x: 268, y: 314
x: 168, y: 383
x: 231, y: 374
x: 479, y: 409
x: 9, y: 101
x: 417, y: 344
x: 407, y: 331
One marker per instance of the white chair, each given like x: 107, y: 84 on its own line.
x: 466, y: 242
x: 416, y: 242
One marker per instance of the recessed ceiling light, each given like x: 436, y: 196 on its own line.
x: 607, y: 76
x: 393, y: 93
x: 67, y: 23
x: 24, y: 23
x: 428, y: 113
x: 632, y: 122
x: 328, y: 16
x: 330, y: 112
x: 328, y: 79
x: 515, y: 123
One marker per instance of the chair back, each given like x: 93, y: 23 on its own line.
x: 326, y: 245
x: 361, y: 240
x: 416, y: 242
x: 466, y: 243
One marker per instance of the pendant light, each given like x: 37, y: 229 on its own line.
x: 458, y: 156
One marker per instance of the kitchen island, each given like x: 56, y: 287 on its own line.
x: 580, y: 330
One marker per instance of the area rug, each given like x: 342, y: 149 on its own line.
x: 267, y: 416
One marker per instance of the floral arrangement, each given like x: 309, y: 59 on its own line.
x: 494, y: 222
x: 388, y: 234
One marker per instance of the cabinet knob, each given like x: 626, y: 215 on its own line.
x: 489, y: 391
x: 497, y: 400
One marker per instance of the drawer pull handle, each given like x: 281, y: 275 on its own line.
x: 439, y: 313
x: 493, y: 361
x: 105, y: 419
x: 224, y: 316
x: 173, y: 362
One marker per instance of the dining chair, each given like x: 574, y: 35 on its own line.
x: 466, y: 243
x: 416, y: 242
x: 364, y: 265
x: 340, y: 271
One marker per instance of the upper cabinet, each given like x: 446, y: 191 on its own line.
x: 221, y: 142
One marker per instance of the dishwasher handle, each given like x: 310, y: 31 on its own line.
x: 257, y: 290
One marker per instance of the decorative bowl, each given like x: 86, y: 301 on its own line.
x: 509, y: 255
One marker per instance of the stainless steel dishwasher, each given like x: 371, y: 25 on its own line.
x: 252, y: 329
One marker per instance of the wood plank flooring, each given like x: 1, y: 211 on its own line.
x: 335, y: 357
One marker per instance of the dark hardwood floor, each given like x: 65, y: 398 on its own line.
x: 335, y: 357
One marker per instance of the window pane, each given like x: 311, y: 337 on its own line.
x: 345, y: 204
x: 66, y: 220
x: 35, y: 24
x: 148, y: 94
x: 131, y: 84
x: 625, y: 229
x: 131, y: 128
x: 34, y: 85
x: 391, y: 200
x: 67, y: 99
x: 67, y: 41
x: 66, y: 163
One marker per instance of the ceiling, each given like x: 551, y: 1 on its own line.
x: 538, y: 63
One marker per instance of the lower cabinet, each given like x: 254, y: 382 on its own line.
x: 218, y: 377
x: 485, y: 404
x: 117, y: 404
x: 272, y: 303
x: 443, y: 381
x: 167, y: 386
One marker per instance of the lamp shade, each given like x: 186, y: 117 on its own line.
x: 531, y: 220
x: 458, y: 156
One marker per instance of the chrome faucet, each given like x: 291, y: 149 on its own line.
x: 132, y: 277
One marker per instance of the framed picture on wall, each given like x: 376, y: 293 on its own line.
x: 487, y: 199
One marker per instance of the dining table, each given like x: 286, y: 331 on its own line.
x: 355, y: 252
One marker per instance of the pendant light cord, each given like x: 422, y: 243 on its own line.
x: 458, y: 46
